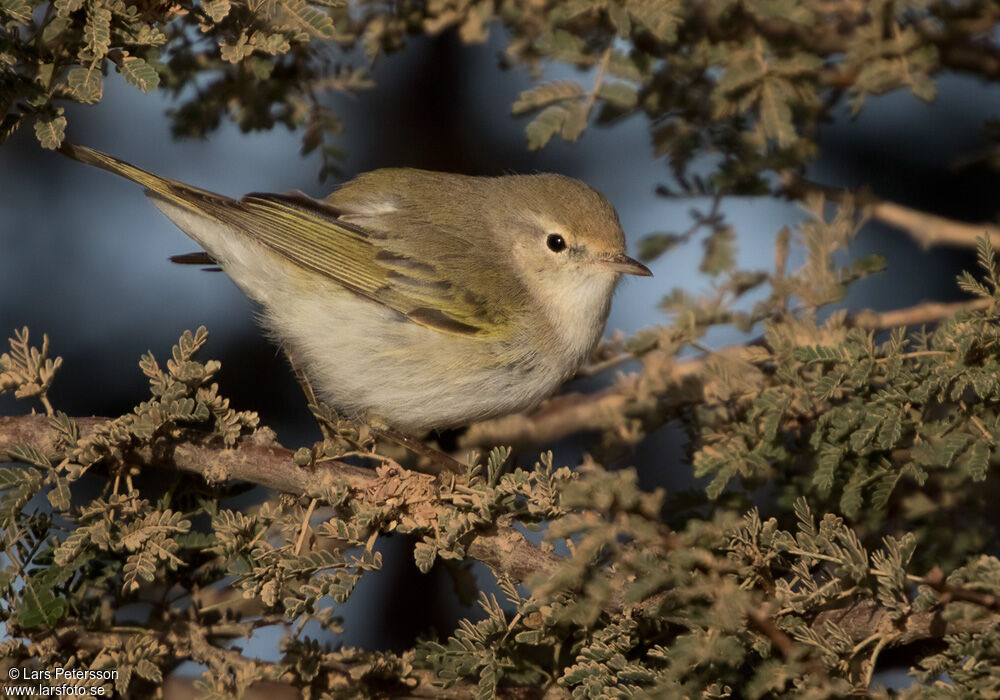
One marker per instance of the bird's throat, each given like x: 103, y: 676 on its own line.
x: 576, y: 307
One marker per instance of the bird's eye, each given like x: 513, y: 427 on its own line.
x: 555, y: 242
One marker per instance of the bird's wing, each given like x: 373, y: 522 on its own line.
x: 311, y: 234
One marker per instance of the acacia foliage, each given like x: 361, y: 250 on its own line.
x: 744, y: 81
x: 878, y: 456
x: 869, y: 453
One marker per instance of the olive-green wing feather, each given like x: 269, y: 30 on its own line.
x: 309, y: 233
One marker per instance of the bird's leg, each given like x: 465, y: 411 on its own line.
x: 326, y: 426
x: 331, y: 431
x: 440, y: 460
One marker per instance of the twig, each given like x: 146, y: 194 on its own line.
x: 193, y: 641
x: 260, y: 460
x: 883, y: 642
x: 976, y: 422
x: 501, y: 547
x: 595, y: 368
x: 578, y: 413
x: 929, y: 312
x: 781, y: 641
x: 602, y: 70
x: 441, y: 461
x: 913, y: 355
x: 305, y: 526
x: 928, y: 230
x: 307, y: 389
x: 935, y: 579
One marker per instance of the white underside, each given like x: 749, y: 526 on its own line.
x: 367, y: 360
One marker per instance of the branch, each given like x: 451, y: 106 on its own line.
x: 928, y: 230
x: 929, y: 312
x: 502, y: 548
x: 677, y: 386
x: 260, y: 460
x: 864, y: 618
x: 781, y: 641
x: 190, y: 640
x: 602, y: 69
x: 935, y: 578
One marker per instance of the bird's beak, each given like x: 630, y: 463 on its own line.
x: 619, y: 262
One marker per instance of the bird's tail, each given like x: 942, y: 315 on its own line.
x: 173, y: 191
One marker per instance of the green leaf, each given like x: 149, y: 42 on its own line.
x: 827, y: 385
x: 276, y: 44
x: 660, y: 17
x: 235, y: 51
x: 776, y: 114
x: 890, y: 432
x: 217, y: 9
x: 85, y: 84
x: 96, y: 33
x: 542, y: 128
x: 866, y: 266
x: 976, y: 461
x: 717, y: 485
x: 821, y: 353
x: 968, y: 283
x: 632, y: 66
x: 546, y: 94
x: 39, y: 605
x: 852, y: 498
x: 140, y: 566
x: 486, y: 688
x: 50, y: 131
x: 656, y: 244
x: 827, y: 462
x: 884, y: 486
x: 948, y: 447
x: 720, y: 251
x: 29, y: 454
x: 619, y: 19
x: 139, y: 73
x: 865, y: 434
x: 17, y: 10
x: 987, y: 259
x: 424, y: 554
x: 576, y: 121
x: 12, y: 477
x: 65, y: 7
x: 620, y: 95
x: 308, y: 19
x: 59, y: 495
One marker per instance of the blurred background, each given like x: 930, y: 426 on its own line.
x: 83, y: 255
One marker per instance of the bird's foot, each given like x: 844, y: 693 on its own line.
x: 436, y: 460
x: 342, y: 436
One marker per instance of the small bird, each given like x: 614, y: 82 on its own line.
x: 415, y: 299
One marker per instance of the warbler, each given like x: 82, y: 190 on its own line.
x: 413, y: 298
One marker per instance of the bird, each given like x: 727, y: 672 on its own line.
x: 414, y: 299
